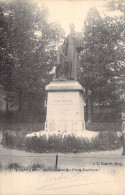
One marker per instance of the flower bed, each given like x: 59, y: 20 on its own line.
x: 107, y: 140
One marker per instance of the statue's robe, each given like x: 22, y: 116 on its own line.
x: 74, y: 42
x: 68, y: 56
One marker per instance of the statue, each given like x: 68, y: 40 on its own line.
x: 62, y: 63
x: 68, y: 55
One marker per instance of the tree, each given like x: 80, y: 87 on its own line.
x: 102, y: 56
x: 33, y: 54
x: 120, y: 79
x: 6, y: 60
x: 32, y: 40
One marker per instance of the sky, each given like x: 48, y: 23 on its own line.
x: 70, y: 11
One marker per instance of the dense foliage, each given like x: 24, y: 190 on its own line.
x: 106, y: 140
x: 27, y: 53
x: 103, y: 58
x: 30, y: 40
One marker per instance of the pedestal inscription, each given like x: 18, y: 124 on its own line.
x: 65, y: 107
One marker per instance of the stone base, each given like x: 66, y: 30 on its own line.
x: 81, y: 134
x: 65, y: 106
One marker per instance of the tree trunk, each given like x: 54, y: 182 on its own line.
x: 99, y: 105
x: 7, y: 106
x: 29, y: 100
x: 87, y: 104
x: 91, y: 106
x: 20, y: 100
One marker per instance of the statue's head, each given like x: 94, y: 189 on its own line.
x: 72, y: 27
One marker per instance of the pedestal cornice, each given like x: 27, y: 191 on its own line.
x: 64, y: 86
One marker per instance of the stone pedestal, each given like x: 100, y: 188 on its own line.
x: 65, y: 107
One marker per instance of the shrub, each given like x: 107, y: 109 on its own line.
x: 1, y: 167
x: 13, y: 141
x: 12, y: 166
x: 104, y: 141
x: 107, y: 140
x: 34, y: 167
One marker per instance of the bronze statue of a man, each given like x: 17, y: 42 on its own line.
x: 68, y: 55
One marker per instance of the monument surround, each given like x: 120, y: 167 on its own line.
x: 65, y: 107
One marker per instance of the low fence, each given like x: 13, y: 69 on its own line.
x: 103, y: 126
x: 31, y: 127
